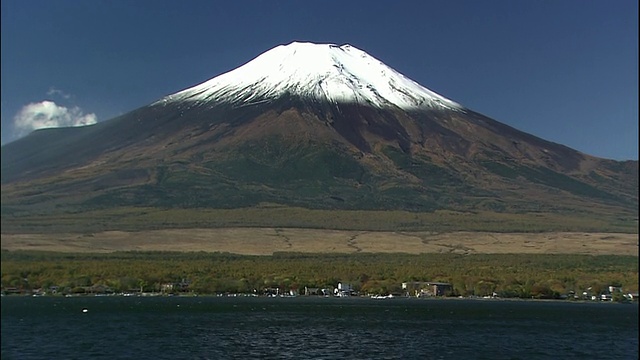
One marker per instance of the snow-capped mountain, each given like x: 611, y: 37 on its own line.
x: 315, y: 126
x: 323, y: 72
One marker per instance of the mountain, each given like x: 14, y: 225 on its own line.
x: 322, y: 73
x: 315, y: 126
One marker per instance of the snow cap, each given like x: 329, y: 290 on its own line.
x: 329, y: 72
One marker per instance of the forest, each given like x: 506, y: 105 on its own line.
x: 507, y: 275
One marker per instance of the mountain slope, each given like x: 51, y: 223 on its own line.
x: 315, y: 126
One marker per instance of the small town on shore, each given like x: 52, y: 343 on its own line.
x: 416, y: 289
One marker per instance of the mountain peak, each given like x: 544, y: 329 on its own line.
x: 324, y: 72
x: 329, y: 132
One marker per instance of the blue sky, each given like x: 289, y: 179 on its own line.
x: 563, y: 70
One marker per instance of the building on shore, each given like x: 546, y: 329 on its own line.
x: 426, y: 288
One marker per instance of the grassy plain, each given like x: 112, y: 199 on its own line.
x: 237, y: 250
x: 266, y: 241
x: 272, y: 228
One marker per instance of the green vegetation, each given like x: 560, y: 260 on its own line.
x: 303, y: 174
x: 275, y: 215
x: 422, y: 167
x: 279, y: 163
x: 275, y: 182
x: 512, y: 275
x: 545, y: 176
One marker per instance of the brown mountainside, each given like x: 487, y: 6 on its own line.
x: 236, y: 142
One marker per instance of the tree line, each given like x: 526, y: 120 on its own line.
x: 508, y: 275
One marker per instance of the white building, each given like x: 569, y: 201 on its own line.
x: 343, y: 290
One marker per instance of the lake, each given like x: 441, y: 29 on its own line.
x: 310, y: 327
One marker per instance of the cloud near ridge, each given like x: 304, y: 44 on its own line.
x: 47, y: 114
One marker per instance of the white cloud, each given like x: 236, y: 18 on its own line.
x: 57, y: 92
x: 47, y: 114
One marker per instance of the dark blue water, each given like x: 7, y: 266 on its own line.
x: 320, y: 328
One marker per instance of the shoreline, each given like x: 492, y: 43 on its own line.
x: 345, y: 298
